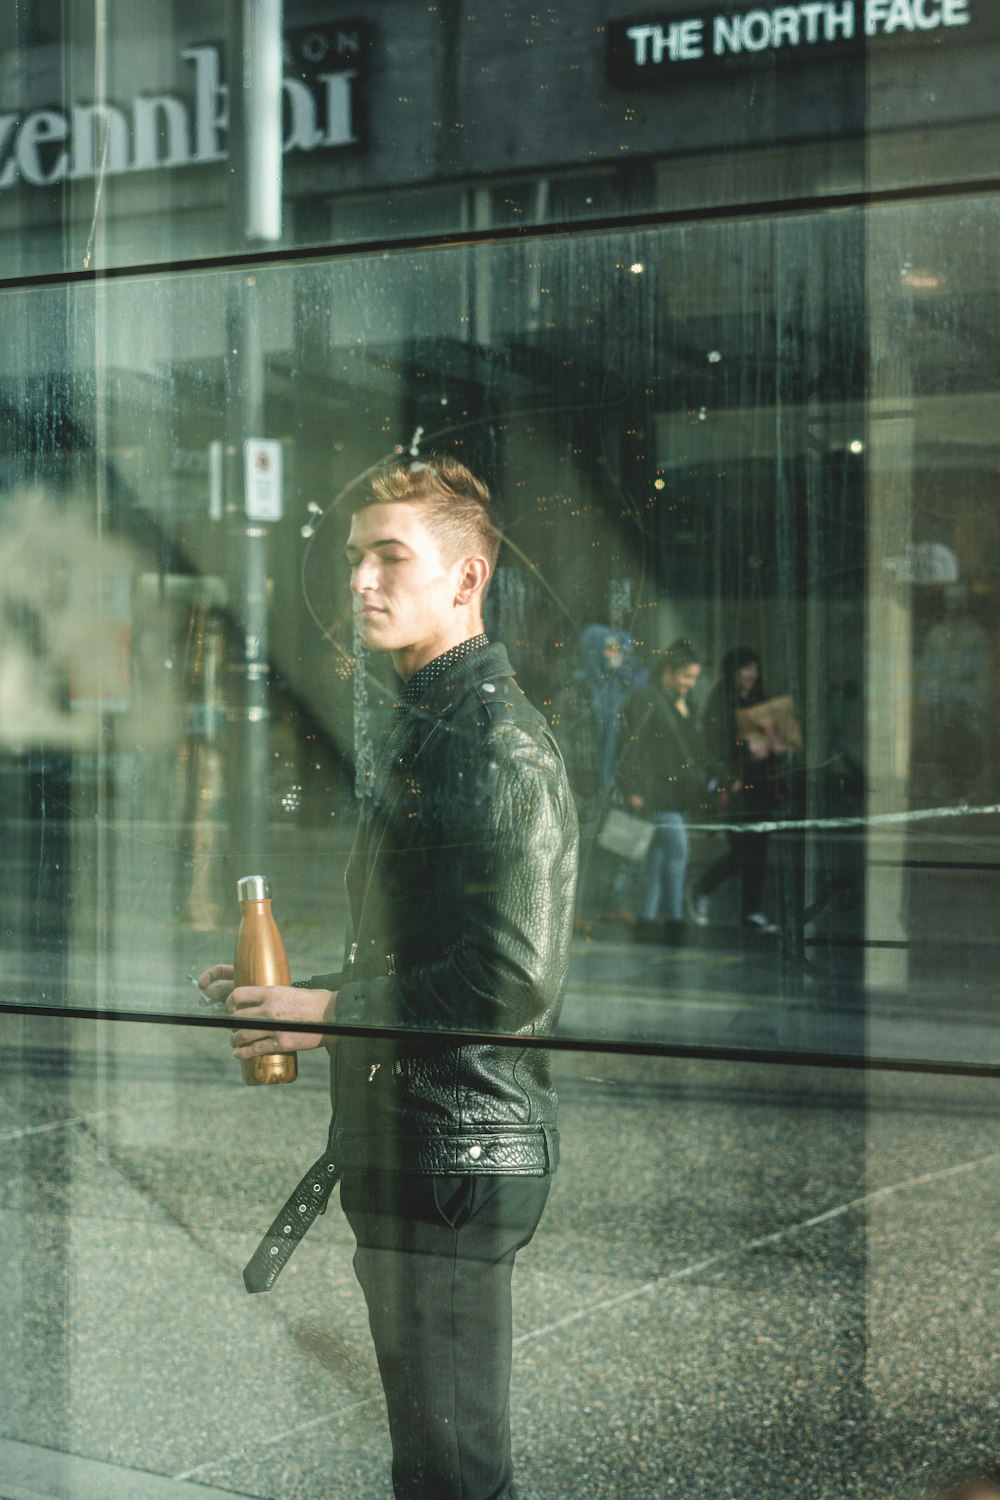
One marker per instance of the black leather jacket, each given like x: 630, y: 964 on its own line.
x: 461, y: 886
x: 661, y: 760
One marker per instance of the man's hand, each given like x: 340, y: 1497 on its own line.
x: 216, y: 984
x: 272, y: 1004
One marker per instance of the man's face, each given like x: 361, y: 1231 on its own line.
x: 403, y: 589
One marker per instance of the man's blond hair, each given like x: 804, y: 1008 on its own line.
x: 455, y: 503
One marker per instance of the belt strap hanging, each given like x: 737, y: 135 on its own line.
x: 275, y: 1249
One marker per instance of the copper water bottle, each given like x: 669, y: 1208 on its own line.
x: 260, y: 959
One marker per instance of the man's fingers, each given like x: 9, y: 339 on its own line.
x: 247, y: 998
x: 215, y: 984
x: 246, y: 1038
x: 217, y: 971
x: 260, y: 1048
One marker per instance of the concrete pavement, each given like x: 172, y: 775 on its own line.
x: 750, y: 1280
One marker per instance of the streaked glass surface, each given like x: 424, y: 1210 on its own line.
x: 769, y: 433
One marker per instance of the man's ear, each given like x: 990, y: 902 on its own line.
x: 474, y: 576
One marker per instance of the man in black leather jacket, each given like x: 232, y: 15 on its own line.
x: 461, y: 890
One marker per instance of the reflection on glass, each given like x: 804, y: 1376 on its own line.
x: 667, y: 467
x: 574, y: 450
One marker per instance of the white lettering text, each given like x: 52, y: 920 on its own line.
x: 926, y: 20
x: 89, y: 157
x: 690, y: 40
x: 148, y: 114
x: 8, y: 128
x: 811, y: 15
x: 37, y: 130
x: 785, y: 26
x: 339, y: 109
x: 726, y: 35
x: 640, y: 35
x: 899, y: 15
x: 841, y: 21
x: 302, y: 135
x: 755, y: 33
x: 211, y: 103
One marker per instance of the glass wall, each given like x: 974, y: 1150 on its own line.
x: 718, y: 329
x: 707, y: 432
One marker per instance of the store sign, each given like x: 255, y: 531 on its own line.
x: 163, y: 131
x: 643, y: 50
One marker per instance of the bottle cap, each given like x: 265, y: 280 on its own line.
x: 253, y: 888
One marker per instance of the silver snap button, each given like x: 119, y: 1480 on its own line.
x: 302, y: 1208
x: 489, y: 687
x: 288, y: 1228
x: 317, y: 1187
x: 274, y: 1249
x: 475, y: 1152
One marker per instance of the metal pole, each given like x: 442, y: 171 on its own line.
x: 256, y: 178
x: 261, y: 93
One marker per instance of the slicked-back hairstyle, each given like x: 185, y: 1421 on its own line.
x: 456, y: 504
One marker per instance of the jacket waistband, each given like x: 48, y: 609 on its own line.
x: 530, y: 1153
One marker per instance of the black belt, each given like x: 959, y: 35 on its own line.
x: 275, y: 1249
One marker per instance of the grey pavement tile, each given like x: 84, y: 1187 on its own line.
x: 32, y: 1473
x: 850, y: 1357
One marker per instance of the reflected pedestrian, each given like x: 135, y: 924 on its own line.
x: 748, y: 767
x: 587, y: 720
x: 661, y: 778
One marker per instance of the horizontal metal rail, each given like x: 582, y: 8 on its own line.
x: 625, y: 223
x: 553, y: 1043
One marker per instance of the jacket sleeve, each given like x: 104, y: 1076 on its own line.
x: 631, y: 777
x: 514, y: 847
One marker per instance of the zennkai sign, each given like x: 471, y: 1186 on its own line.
x: 159, y: 132
x: 649, y: 50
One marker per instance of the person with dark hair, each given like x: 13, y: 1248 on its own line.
x: 660, y: 777
x: 747, y: 768
x: 460, y: 891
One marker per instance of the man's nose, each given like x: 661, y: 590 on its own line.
x: 362, y: 578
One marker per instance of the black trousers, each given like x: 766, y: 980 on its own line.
x: 434, y: 1259
x: 745, y: 857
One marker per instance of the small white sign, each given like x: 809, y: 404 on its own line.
x: 262, y: 479
x: 215, y: 480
